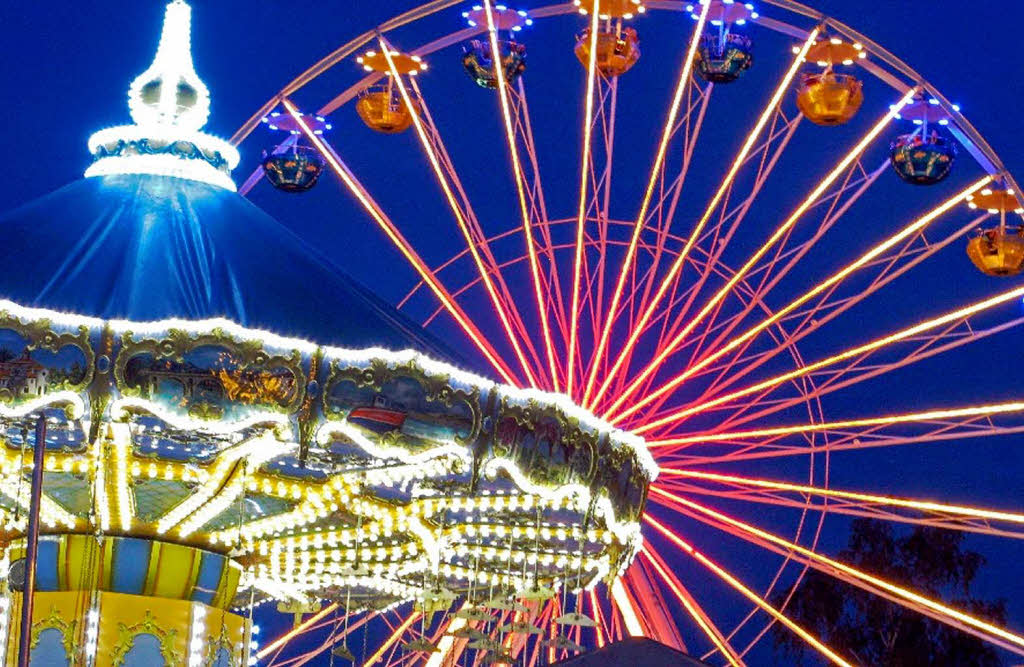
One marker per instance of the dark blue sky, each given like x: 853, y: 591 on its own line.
x: 67, y: 68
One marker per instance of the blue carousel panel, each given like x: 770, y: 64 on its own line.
x: 402, y: 406
x: 49, y: 651
x: 145, y: 652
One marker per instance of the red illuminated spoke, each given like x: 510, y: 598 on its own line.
x: 404, y: 247
x: 692, y: 607
x: 909, y: 233
x: 851, y: 157
x: 957, y: 517
x: 677, y: 265
x: 656, y: 170
x: 841, y: 439
x: 941, y: 323
x: 521, y: 190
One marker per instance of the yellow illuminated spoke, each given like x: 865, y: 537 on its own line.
x: 747, y: 593
x: 904, y: 596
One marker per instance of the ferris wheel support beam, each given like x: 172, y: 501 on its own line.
x: 396, y: 237
x: 769, y: 281
x: 331, y: 641
x: 747, y: 592
x: 672, y: 193
x: 656, y: 170
x: 1014, y: 407
x: 676, y: 188
x: 503, y: 95
x: 469, y: 226
x: 853, y: 442
x: 393, y: 639
x: 699, y: 363
x: 692, y: 607
x: 677, y: 265
x: 851, y: 157
x: 903, y: 596
x: 538, y: 206
x: 581, y: 216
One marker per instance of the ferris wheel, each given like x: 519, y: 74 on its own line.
x: 716, y: 301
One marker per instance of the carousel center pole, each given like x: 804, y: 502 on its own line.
x: 32, y: 546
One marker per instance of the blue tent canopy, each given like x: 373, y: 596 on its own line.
x: 144, y: 247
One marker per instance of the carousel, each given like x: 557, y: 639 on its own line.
x: 202, y: 415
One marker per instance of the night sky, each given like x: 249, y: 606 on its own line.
x: 68, y: 66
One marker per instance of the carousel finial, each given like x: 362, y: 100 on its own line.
x: 170, y: 105
x: 170, y: 92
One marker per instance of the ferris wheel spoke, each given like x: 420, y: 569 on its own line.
x: 719, y: 242
x: 390, y: 645
x: 656, y: 171
x: 661, y: 218
x: 947, y: 514
x: 737, y: 585
x: 337, y: 635
x: 812, y: 319
x: 952, y: 317
x: 856, y: 509
x: 770, y: 280
x: 849, y: 160
x: 942, y: 432
x: 521, y: 191
x: 691, y: 606
x: 716, y: 349
x: 666, y: 212
x: 835, y: 380
x: 695, y: 234
x: 537, y: 205
x: 410, y: 254
x: 581, y: 213
x: 433, y: 148
x: 866, y: 581
x: 476, y: 238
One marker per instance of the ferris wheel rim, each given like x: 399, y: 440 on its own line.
x: 991, y: 163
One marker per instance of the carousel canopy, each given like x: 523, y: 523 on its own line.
x: 157, y: 232
x: 146, y: 247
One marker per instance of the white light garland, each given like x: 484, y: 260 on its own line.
x: 169, y: 104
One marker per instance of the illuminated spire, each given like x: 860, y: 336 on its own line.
x: 169, y: 104
x: 170, y: 92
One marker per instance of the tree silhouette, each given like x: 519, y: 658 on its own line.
x: 874, y: 631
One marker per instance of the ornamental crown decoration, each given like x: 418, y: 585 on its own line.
x: 169, y: 105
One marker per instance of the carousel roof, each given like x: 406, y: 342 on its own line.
x: 147, y: 247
